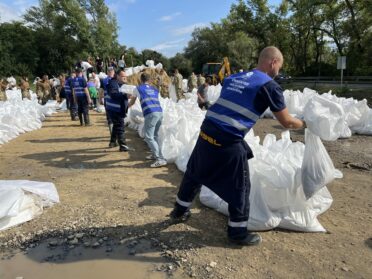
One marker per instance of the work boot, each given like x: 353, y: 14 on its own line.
x: 113, y: 144
x: 251, y: 239
x: 86, y: 120
x: 179, y: 216
x: 113, y: 141
x: 81, y: 119
x: 123, y: 147
x: 73, y: 117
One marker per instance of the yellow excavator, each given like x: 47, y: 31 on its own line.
x: 217, y: 71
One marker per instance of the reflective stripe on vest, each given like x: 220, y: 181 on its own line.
x: 149, y: 97
x: 235, y: 111
x: 67, y: 87
x: 112, y: 105
x: 77, y: 84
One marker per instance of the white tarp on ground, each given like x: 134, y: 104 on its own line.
x: 18, y: 116
x: 277, y: 196
x: 23, y: 200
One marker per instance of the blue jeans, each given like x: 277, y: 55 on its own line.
x: 152, y: 126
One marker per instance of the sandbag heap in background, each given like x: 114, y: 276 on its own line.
x: 18, y: 116
x: 340, y: 116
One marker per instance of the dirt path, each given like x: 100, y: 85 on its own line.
x: 111, y: 200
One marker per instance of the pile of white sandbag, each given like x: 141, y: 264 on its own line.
x: 348, y: 115
x: 278, y: 197
x: 18, y: 116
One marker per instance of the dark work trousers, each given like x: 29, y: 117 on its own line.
x: 223, y: 169
x: 109, y: 121
x: 118, y: 132
x: 83, y: 110
x: 71, y: 106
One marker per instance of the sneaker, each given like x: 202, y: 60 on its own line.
x: 150, y: 157
x: 177, y: 216
x: 124, y: 148
x: 158, y: 164
x: 250, y: 240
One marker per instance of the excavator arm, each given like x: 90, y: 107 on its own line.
x: 225, y: 69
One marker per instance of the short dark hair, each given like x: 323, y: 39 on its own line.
x: 208, y: 80
x: 78, y: 70
x: 145, y: 77
x: 117, y: 73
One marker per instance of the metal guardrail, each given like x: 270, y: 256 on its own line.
x: 357, y: 79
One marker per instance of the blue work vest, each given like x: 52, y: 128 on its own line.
x: 78, y: 85
x: 114, y: 103
x: 149, y: 97
x: 235, y: 112
x: 105, y: 83
x: 68, y: 90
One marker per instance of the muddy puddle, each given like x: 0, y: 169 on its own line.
x: 81, y: 262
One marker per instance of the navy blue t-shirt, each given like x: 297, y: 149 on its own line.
x: 270, y: 95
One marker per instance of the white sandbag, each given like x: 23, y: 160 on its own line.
x: 159, y: 66
x: 23, y: 200
x: 324, y: 118
x: 129, y: 71
x: 127, y: 89
x: 365, y: 127
x: 150, y: 64
x: 317, y: 167
x: 18, y: 116
x: 100, y: 108
x: 213, y: 93
x: 184, y: 85
x: 172, y: 92
x: 102, y: 75
x: 11, y: 81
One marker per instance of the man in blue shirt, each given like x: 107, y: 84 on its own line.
x: 117, y: 106
x: 104, y: 85
x: 81, y: 97
x: 220, y: 157
x: 70, y: 103
x: 153, y: 114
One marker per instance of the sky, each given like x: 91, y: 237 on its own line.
x: 161, y: 25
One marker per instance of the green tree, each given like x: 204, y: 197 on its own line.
x: 242, y: 51
x: 103, y: 28
x: 180, y: 62
x: 62, y: 33
x: 207, y: 45
x: 18, y: 50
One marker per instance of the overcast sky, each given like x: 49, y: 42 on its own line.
x: 161, y: 25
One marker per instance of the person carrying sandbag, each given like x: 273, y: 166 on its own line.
x: 220, y: 157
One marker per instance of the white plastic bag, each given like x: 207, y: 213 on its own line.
x: 325, y: 118
x: 317, y: 167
